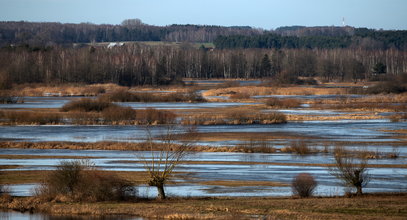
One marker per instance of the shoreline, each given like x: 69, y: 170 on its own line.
x: 368, y: 206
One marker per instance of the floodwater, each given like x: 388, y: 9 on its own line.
x: 351, y: 96
x: 355, y: 131
x: 11, y: 215
x: 382, y: 179
x: 341, y: 130
x: 58, y: 102
x: 41, y: 102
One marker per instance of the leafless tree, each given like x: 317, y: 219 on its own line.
x: 164, y: 159
x: 350, y: 170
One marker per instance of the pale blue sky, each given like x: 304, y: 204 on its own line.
x: 386, y: 14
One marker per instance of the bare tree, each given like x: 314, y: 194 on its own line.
x: 165, y: 157
x: 350, y: 170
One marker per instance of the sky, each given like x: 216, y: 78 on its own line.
x: 266, y: 14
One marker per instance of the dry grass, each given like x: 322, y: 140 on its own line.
x: 36, y: 176
x: 375, y: 206
x: 66, y: 89
x: 356, y: 116
x: 249, y: 137
x: 263, y: 90
x: 299, y: 147
x: 235, y: 118
x: 30, y: 117
x: 282, y: 103
x: 124, y: 95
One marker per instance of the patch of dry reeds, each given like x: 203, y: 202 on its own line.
x: 235, y: 118
x: 29, y: 117
x: 283, y: 103
x: 298, y: 147
x: 123, y: 95
x: 86, y: 105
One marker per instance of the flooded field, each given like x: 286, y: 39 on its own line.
x: 345, y: 130
x: 212, y: 167
x: 58, y: 102
x: 11, y: 215
x: 204, y: 173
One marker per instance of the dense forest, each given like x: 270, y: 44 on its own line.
x: 138, y: 64
x: 319, y: 38
x: 40, y: 34
x: 45, y: 53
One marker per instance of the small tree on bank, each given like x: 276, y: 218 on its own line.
x: 163, y: 160
x: 350, y: 170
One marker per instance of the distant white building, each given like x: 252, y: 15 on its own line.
x: 115, y: 44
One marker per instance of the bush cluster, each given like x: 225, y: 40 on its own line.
x: 126, y: 96
x: 28, y: 117
x: 154, y: 116
x: 283, y: 103
x: 80, y: 181
x: 304, y: 185
x: 86, y: 105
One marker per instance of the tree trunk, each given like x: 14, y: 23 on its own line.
x: 359, y: 190
x: 161, y: 193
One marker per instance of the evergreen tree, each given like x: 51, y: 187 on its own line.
x: 265, y: 66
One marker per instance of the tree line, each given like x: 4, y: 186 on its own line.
x: 139, y: 64
x: 322, y: 38
x: 47, y: 33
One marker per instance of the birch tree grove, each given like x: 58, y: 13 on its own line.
x: 137, y: 64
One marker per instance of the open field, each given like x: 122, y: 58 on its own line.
x: 375, y: 206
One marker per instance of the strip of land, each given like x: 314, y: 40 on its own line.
x: 375, y: 206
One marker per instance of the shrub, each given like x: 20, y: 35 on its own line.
x: 86, y: 105
x: 154, y: 116
x: 304, y: 185
x: 254, y: 146
x: 387, y: 87
x: 81, y: 118
x: 126, y: 96
x: 390, y: 85
x: 300, y: 147
x: 283, y: 103
x: 80, y: 181
x: 240, y: 95
x: 271, y: 118
x: 121, y: 95
x: 26, y: 117
x: 118, y: 113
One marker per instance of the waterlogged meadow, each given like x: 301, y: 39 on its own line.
x: 236, y: 148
